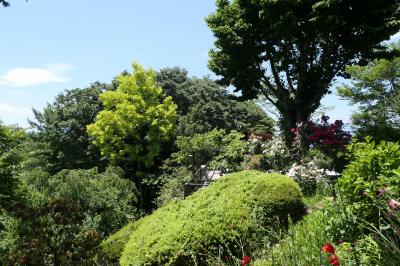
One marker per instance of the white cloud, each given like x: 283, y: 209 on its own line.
x: 6, y: 109
x: 23, y: 76
x: 18, y: 92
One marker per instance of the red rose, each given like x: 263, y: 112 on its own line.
x: 245, y: 260
x: 328, y: 248
x: 334, y: 260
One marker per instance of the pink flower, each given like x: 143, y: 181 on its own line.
x: 245, y: 260
x: 393, y: 204
x: 381, y: 192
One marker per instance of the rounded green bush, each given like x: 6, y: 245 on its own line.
x: 185, y: 232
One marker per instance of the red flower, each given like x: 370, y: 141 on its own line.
x: 334, y: 260
x: 394, y: 204
x: 328, y: 248
x: 245, y: 260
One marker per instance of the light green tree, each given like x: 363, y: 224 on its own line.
x: 136, y: 120
x: 375, y: 89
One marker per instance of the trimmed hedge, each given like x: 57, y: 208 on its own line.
x: 183, y: 232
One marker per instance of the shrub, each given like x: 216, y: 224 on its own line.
x: 213, y: 219
x: 371, y: 170
x: 276, y: 155
x: 53, y: 235
x: 106, y: 198
x: 330, y: 138
x: 309, y: 176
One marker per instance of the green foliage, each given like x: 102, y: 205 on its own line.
x: 53, y: 234
x: 11, y: 139
x: 62, y: 125
x: 302, y: 246
x: 113, y: 246
x: 371, y: 169
x: 135, y: 121
x: 203, y: 106
x: 232, y: 153
x: 180, y: 233
x: 9, y: 238
x: 375, y: 89
x: 218, y: 150
x: 36, y: 155
x: 173, y: 187
x: 198, y: 149
x: 335, y: 224
x: 106, y: 199
x: 289, y: 50
x: 221, y: 150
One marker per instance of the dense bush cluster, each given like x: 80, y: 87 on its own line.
x: 216, y: 217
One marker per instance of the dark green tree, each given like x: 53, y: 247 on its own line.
x: 203, y: 105
x: 6, y: 3
x: 290, y: 51
x: 63, y: 123
x: 375, y: 89
x: 170, y: 80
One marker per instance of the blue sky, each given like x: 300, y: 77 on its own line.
x: 48, y: 46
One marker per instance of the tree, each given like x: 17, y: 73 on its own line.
x: 290, y: 51
x: 375, y: 89
x: 11, y: 139
x: 63, y: 123
x: 170, y: 79
x: 4, y: 3
x: 203, y: 105
x: 135, y: 121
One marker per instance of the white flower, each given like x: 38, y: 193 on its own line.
x: 331, y: 173
x: 291, y: 172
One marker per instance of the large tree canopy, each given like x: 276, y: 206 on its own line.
x: 290, y: 51
x: 62, y: 125
x: 203, y: 105
x: 375, y: 88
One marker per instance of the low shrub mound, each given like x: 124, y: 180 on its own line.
x: 210, y: 223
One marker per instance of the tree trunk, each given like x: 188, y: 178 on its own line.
x: 292, y: 116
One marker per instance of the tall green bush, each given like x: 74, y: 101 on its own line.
x: 209, y: 223
x: 371, y: 171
